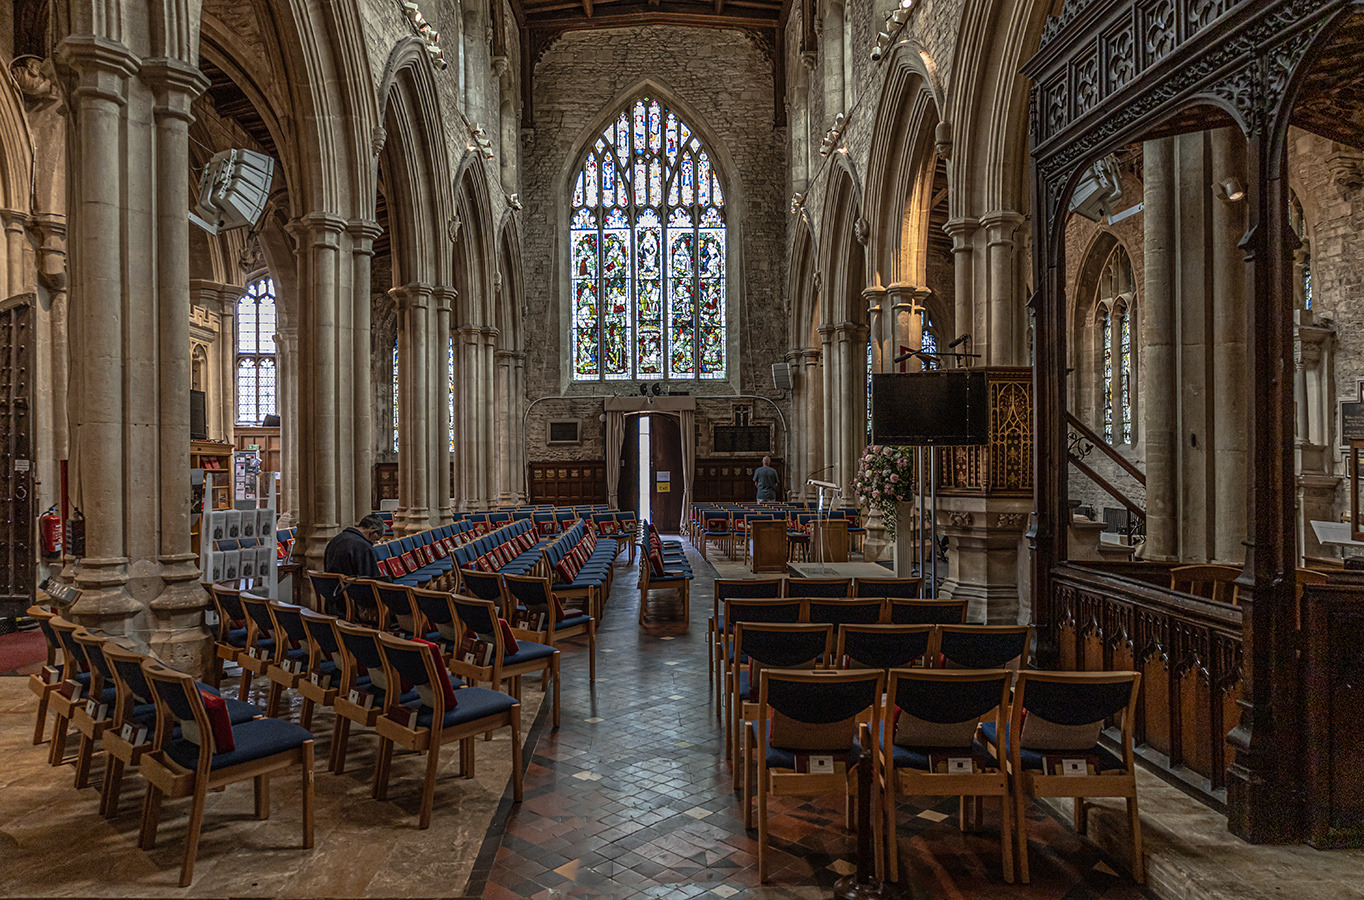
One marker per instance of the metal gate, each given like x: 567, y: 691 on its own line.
x: 18, y: 516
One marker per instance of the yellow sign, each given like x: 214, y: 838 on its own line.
x: 664, y: 487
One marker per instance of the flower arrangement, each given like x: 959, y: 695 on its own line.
x: 884, y: 479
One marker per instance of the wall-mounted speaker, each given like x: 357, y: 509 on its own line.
x: 233, y: 190
x: 781, y: 376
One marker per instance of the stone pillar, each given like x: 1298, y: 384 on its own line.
x: 286, y: 374
x: 413, y: 302
x: 16, y: 251
x: 1228, y: 413
x: 1158, y: 331
x: 321, y: 415
x: 444, y: 301
x: 227, y: 368
x: 507, y: 425
x: 487, y: 372
x: 795, y: 465
x: 962, y: 231
x: 851, y: 405
x: 828, y: 413
x: 813, y: 416
x: 466, y: 434
x: 362, y: 234
x: 982, y: 562
x: 1004, y: 341
x: 908, y: 328
x: 883, y: 348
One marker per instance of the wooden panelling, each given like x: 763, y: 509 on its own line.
x: 267, y: 441
x: 385, y: 483
x: 568, y: 483
x: 1188, y: 650
x: 731, y: 479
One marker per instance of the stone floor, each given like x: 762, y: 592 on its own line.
x: 629, y: 798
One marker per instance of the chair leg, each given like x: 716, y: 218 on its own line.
x: 57, y: 752
x: 196, y: 824
x: 1138, y: 854
x: 246, y: 684
x: 748, y: 784
x: 340, y: 738
x: 262, y: 792
x: 554, y: 665
x: 151, y: 814
x: 40, y: 727
x: 516, y: 752
x: 305, y: 717
x: 272, y: 701
x: 113, y: 782
x: 892, y: 839
x: 306, y: 763
x: 83, y: 755
x: 592, y: 651
x: 1006, y: 837
x: 1081, y: 816
x: 429, y: 784
x: 761, y: 775
x: 1021, y: 817
x: 380, y: 790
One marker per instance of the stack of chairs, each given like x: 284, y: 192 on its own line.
x: 668, y: 569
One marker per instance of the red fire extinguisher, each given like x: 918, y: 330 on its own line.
x: 50, y: 533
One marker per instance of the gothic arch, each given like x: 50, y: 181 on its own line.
x: 900, y: 167
x: 473, y: 231
x: 803, y: 288
x: 510, y: 285
x: 843, y: 260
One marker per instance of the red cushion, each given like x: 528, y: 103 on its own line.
x: 564, y: 569
x: 410, y: 561
x: 383, y: 569
x: 656, y: 561
x: 509, y: 645
x: 219, y: 722
x: 442, y: 683
x: 396, y: 569
x: 607, y: 527
x: 558, y: 607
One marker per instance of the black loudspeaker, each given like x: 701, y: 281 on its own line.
x: 781, y: 376
x: 945, y: 408
x: 198, y: 416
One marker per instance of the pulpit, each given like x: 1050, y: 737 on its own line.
x: 769, y: 545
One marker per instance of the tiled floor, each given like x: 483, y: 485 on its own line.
x: 631, y: 798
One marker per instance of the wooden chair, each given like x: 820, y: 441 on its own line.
x: 803, y: 738
x: 46, y: 683
x: 362, y: 695
x: 759, y: 646
x: 73, y: 689
x: 885, y: 647
x: 330, y: 590
x: 505, y: 665
x: 925, y: 612
x: 983, y: 646
x: 289, y: 667
x: 194, y: 761
x: 838, y: 611
x: 931, y: 748
x: 529, y: 595
x: 262, y: 648
x: 1211, y: 582
x: 725, y: 589
x: 901, y: 588
x: 229, y: 638
x: 440, y: 715
x: 819, y: 587
x: 322, y: 678
x: 744, y: 609
x: 718, y: 526
x: 394, y: 608
x: 1058, y: 717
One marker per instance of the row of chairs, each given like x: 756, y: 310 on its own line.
x: 933, y: 732
x: 664, y: 566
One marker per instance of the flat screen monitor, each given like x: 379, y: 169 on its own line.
x: 198, y: 416
x: 938, y: 408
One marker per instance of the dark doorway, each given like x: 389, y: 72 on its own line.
x: 627, y: 489
x: 667, y: 479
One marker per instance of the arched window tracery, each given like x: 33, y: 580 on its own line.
x: 1114, y: 314
x: 255, y: 368
x: 647, y: 249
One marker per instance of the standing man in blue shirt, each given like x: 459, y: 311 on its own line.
x: 765, y: 477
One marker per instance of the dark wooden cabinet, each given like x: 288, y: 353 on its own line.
x: 568, y: 483
x: 730, y: 479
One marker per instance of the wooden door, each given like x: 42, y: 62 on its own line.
x: 627, y: 489
x: 18, y: 514
x: 665, y: 482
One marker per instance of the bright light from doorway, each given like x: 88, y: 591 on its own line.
x: 646, y: 469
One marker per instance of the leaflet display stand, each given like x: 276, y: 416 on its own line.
x: 238, y: 545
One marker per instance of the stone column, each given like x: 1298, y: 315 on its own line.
x: 444, y: 299
x: 100, y: 71
x: 1158, y: 331
x: 816, y: 425
x: 851, y: 415
x: 1230, y: 437
x: 883, y: 348
x: 227, y: 369
x: 962, y: 231
x: 826, y: 425
x: 488, y: 416
x: 413, y: 302
x: 795, y: 465
x: 362, y: 234
x: 508, y: 425
x: 286, y: 374
x: 466, y: 434
x: 178, y: 611
x: 1004, y: 341
x: 16, y: 249
x: 321, y: 415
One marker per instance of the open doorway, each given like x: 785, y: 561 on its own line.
x: 651, y: 478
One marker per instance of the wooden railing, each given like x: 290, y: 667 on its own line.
x: 1187, y: 649
x: 1080, y: 433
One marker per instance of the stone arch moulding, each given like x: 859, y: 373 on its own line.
x: 804, y: 291
x: 734, y: 218
x: 839, y: 245
x: 470, y: 229
x: 510, y: 283
x: 900, y: 167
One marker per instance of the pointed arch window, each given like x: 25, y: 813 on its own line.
x: 256, y: 352
x: 1114, y: 320
x: 395, y: 395
x: 450, y: 387
x: 647, y: 249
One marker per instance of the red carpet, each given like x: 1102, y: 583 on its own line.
x: 21, y: 650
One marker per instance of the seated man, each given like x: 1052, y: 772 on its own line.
x: 351, y: 553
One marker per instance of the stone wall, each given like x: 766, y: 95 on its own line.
x: 726, y: 80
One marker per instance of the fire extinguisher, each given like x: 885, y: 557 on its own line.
x: 50, y: 533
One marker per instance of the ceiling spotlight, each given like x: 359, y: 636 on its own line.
x: 797, y: 201
x: 481, y: 141
x: 831, y: 136
x: 514, y: 201
x: 895, y: 26
x: 1231, y: 190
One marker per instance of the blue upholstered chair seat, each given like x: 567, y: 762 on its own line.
x: 573, y: 621
x: 1035, y: 760
x: 527, y: 651
x: 474, y: 703
x: 236, y: 637
x: 255, y: 739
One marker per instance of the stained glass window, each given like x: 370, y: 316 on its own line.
x: 256, y: 353
x: 868, y: 392
x: 1114, y: 320
x: 395, y: 395
x: 647, y: 253
x: 928, y: 342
